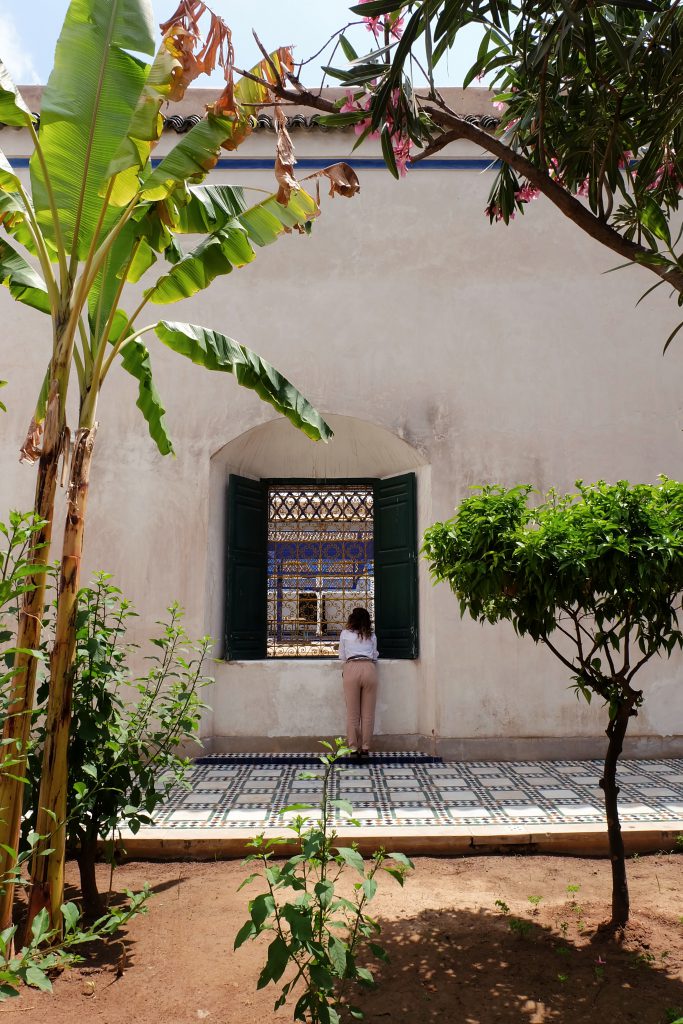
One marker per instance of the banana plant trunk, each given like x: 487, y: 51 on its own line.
x: 17, y: 725
x: 47, y: 869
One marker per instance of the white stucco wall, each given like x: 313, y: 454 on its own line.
x: 435, y: 342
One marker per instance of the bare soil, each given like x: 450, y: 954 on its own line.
x: 455, y: 959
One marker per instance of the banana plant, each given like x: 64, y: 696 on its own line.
x: 99, y: 216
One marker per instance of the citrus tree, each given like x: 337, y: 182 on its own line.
x: 596, y: 577
x: 588, y: 96
x: 99, y: 216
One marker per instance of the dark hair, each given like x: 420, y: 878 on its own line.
x: 359, y: 622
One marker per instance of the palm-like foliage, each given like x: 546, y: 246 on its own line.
x: 99, y: 215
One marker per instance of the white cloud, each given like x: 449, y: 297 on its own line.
x: 13, y: 52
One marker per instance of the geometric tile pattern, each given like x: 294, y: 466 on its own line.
x: 245, y: 790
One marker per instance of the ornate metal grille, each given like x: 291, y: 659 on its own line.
x: 320, y: 566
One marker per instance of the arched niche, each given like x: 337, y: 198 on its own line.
x: 276, y: 449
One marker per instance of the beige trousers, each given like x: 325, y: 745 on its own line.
x: 360, y: 691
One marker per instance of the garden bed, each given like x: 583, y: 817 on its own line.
x: 457, y: 956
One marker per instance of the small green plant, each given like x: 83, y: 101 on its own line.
x: 642, y: 960
x: 563, y: 978
x: 519, y: 926
x: 573, y: 889
x: 126, y: 731
x: 673, y: 1015
x: 317, y: 934
x: 564, y: 928
x: 535, y: 901
x: 502, y: 906
x: 49, y: 949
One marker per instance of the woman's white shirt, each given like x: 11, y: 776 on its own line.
x: 351, y: 645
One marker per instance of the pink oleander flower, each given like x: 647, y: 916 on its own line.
x: 349, y: 105
x: 401, y: 147
x: 600, y: 961
x: 494, y: 212
x: 667, y: 170
x: 499, y: 105
x: 377, y: 23
x: 527, y: 193
x: 583, y: 188
x: 625, y: 158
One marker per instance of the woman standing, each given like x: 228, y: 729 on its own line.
x: 358, y: 654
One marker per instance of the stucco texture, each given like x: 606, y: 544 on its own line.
x: 436, y: 343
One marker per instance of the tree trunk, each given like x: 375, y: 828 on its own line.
x: 616, y: 731
x: 17, y: 726
x: 86, y: 856
x: 47, y: 871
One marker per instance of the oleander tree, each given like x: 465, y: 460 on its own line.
x: 588, y: 95
x: 99, y: 216
x: 596, y: 577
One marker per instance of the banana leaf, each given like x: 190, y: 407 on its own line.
x: 24, y: 283
x: 135, y: 359
x: 215, y: 351
x: 86, y: 111
x: 13, y: 109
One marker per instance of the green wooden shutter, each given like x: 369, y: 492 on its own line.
x: 247, y: 570
x: 395, y: 514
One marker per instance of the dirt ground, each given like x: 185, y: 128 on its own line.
x: 454, y: 959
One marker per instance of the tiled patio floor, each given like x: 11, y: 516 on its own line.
x: 249, y: 790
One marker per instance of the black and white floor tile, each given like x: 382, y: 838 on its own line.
x: 250, y: 790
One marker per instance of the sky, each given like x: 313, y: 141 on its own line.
x: 29, y: 31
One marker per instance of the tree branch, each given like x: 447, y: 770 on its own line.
x: 458, y: 128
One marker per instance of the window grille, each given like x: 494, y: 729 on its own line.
x: 320, y: 566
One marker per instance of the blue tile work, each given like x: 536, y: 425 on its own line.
x: 248, y: 790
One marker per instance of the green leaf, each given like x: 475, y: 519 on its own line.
x: 278, y: 958
x: 23, y: 282
x: 337, y: 953
x: 71, y: 915
x: 135, y: 360
x: 40, y: 926
x: 13, y: 109
x: 9, y: 181
x: 247, y: 931
x: 191, y: 159
x: 261, y: 908
x: 214, y: 256
x: 86, y: 111
x: 343, y: 805
x: 352, y: 858
x: 654, y: 220
x: 144, y: 130
x: 215, y: 351
x: 38, y: 979
x: 388, y: 151
x: 369, y: 888
x: 365, y: 976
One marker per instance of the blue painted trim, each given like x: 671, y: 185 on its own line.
x: 317, y: 164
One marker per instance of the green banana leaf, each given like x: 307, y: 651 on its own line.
x: 24, y: 283
x: 210, y: 207
x: 13, y: 218
x: 13, y: 109
x: 135, y: 359
x: 216, y: 255
x: 9, y: 182
x: 215, y: 351
x: 230, y: 246
x: 86, y: 111
x: 191, y: 159
x: 144, y: 130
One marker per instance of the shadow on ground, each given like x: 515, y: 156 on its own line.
x: 469, y: 967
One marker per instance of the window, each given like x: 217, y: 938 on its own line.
x: 320, y: 565
x: 301, y: 555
